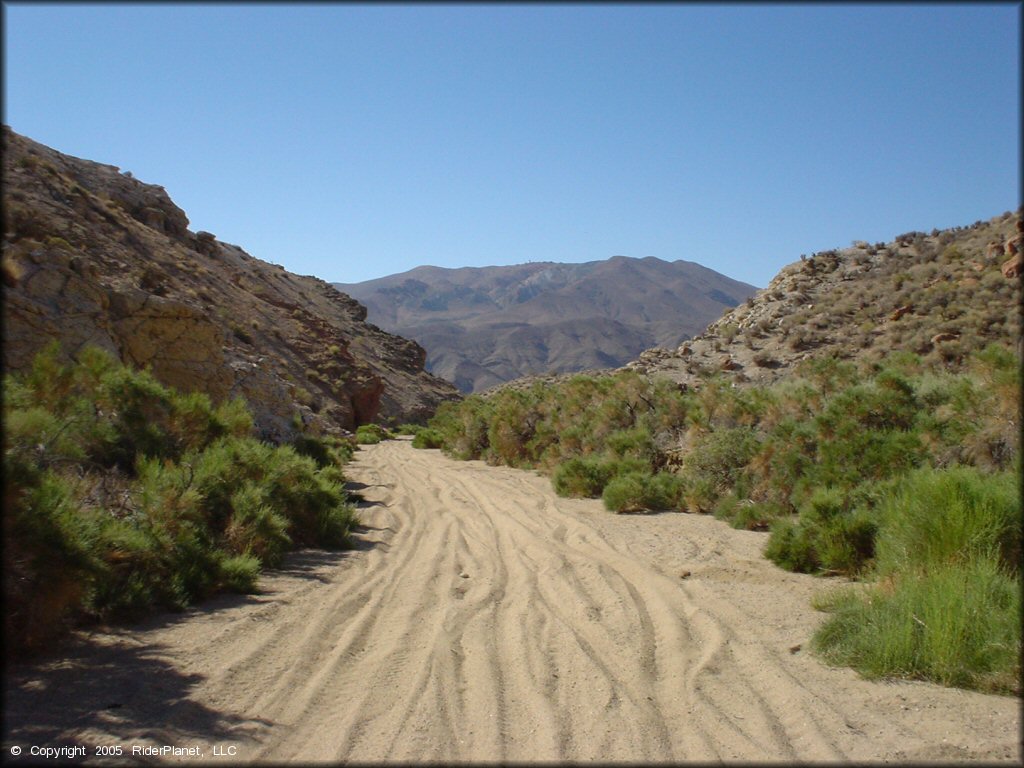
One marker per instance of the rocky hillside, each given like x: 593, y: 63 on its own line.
x: 940, y: 295
x: 94, y: 256
x: 485, y: 326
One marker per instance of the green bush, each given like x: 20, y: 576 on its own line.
x: 949, y: 516
x: 325, y: 453
x: 122, y: 495
x: 255, y: 528
x: 465, y: 427
x: 832, y: 535
x: 948, y: 605
x: 239, y: 573
x: 635, y: 491
x: 407, y: 429
x: 49, y: 553
x: 634, y: 443
x: 954, y: 624
x: 428, y: 438
x: 582, y: 477
x: 371, y: 434
x: 746, y: 514
x: 512, y: 427
x: 721, y: 455
x: 697, y: 492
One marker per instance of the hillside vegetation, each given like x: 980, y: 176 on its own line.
x: 941, y: 295
x: 122, y: 496
x: 898, y: 468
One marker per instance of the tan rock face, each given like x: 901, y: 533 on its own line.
x: 182, y: 346
x: 1011, y: 267
x: 93, y: 256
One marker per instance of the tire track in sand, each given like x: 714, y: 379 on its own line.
x: 484, y: 619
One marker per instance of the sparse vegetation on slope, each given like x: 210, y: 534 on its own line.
x: 122, y: 495
x: 941, y: 295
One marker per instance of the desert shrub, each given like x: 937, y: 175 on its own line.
x: 407, y: 429
x: 48, y: 555
x: 828, y: 373
x: 747, y: 514
x: 464, y: 426
x: 116, y: 414
x: 697, y: 493
x: 242, y: 334
x: 956, y: 625
x: 721, y: 455
x: 313, y: 447
x: 288, y: 483
x: 790, y: 547
x: 582, y: 477
x: 948, y: 605
x: 951, y: 515
x: 328, y: 452
x: 26, y: 222
x: 831, y: 535
x: 511, y: 427
x: 303, y: 396
x: 255, y: 528
x: 122, y: 495
x: 239, y: 573
x: 371, y: 434
x: 428, y: 438
x: 634, y: 491
x: 636, y: 443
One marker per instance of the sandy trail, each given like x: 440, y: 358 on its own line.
x: 482, y: 618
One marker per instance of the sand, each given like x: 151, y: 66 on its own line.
x: 482, y: 618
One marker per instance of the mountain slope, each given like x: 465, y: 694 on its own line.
x: 484, y: 326
x: 941, y: 295
x: 92, y: 255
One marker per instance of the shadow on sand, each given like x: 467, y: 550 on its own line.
x: 109, y: 681
x: 117, y: 687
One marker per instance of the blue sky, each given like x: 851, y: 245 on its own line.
x: 351, y: 142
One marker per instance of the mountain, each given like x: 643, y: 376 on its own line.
x: 940, y: 295
x: 94, y: 256
x: 484, y: 326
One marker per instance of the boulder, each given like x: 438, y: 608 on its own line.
x: 206, y: 243
x: 1012, y: 267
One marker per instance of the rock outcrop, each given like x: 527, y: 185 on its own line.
x: 93, y: 256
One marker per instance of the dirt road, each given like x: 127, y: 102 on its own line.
x: 482, y: 618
